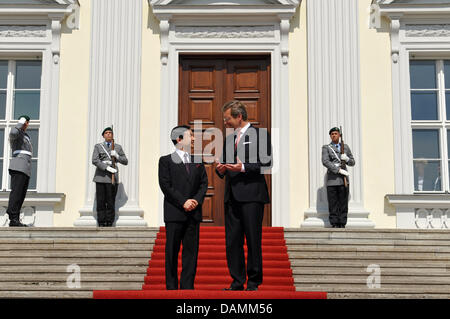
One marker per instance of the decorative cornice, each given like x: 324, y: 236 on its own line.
x: 218, y: 32
x: 427, y: 30
x: 68, y: 10
x: 392, y: 8
x: 23, y: 31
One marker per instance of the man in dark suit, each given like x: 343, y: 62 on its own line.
x: 184, y: 183
x: 246, y: 154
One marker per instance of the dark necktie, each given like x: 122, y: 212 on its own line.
x: 186, y: 163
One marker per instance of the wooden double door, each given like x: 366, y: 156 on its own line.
x: 205, y: 84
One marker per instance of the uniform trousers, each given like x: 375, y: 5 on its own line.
x: 244, y: 219
x: 176, y: 233
x: 106, y: 199
x: 19, y: 186
x: 338, y: 204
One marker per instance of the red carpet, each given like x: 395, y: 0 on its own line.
x: 212, y: 272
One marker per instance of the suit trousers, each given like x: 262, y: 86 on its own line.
x: 176, y: 233
x: 338, y: 204
x: 106, y: 199
x: 19, y: 186
x: 244, y: 219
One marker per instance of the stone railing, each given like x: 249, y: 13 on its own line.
x: 421, y: 211
x: 37, y: 210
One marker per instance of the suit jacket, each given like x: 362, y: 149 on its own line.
x: 331, y: 159
x: 178, y: 186
x: 21, y: 150
x: 255, y: 152
x: 102, y: 160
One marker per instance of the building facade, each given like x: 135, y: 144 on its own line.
x: 380, y: 69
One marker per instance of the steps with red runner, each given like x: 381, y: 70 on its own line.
x: 212, y: 271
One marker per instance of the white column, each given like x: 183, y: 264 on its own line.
x: 114, y: 99
x: 334, y: 100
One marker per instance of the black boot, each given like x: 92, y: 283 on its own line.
x: 16, y: 223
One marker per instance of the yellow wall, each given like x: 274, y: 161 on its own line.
x: 150, y: 118
x: 298, y: 104
x: 71, y: 161
x: 376, y: 120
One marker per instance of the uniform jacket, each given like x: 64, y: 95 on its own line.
x: 20, y: 141
x: 178, y: 186
x: 255, y: 152
x: 102, y: 160
x: 332, y: 161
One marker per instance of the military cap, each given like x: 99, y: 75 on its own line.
x: 25, y: 116
x: 334, y: 129
x: 106, y: 129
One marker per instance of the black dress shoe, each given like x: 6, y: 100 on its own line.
x: 16, y: 224
x: 252, y: 289
x: 234, y: 289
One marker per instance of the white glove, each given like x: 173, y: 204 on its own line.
x: 22, y: 120
x: 114, y: 153
x: 111, y: 170
x: 343, y: 172
x: 345, y: 158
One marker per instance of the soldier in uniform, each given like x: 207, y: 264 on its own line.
x: 106, y: 191
x: 337, y: 192
x: 19, y: 169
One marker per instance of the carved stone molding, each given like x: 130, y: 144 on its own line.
x: 421, y: 211
x: 219, y: 32
x: 23, y: 31
x: 427, y: 30
x: 27, y: 216
x: 432, y: 218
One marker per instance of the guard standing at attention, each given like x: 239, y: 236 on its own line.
x: 106, y: 177
x: 335, y: 157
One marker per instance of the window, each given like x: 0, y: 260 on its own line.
x: 20, y: 93
x: 430, y: 123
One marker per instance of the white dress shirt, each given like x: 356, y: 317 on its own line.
x: 181, y: 154
x: 241, y: 133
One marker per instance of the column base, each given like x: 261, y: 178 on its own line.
x: 357, y: 218
x: 125, y: 217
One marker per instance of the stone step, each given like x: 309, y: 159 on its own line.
x: 58, y: 277
x: 85, y: 269
x: 336, y: 263
x: 62, y: 286
x: 419, y: 295
x: 291, y: 230
x: 429, y: 290
x: 367, y: 236
x: 74, y: 241
x: 85, y: 232
x: 364, y: 242
x: 387, y: 249
x: 67, y: 247
x: 76, y: 253
x: 71, y: 260
x: 47, y: 294
x: 385, y: 271
x: 362, y: 280
x: 386, y: 288
x: 442, y: 257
